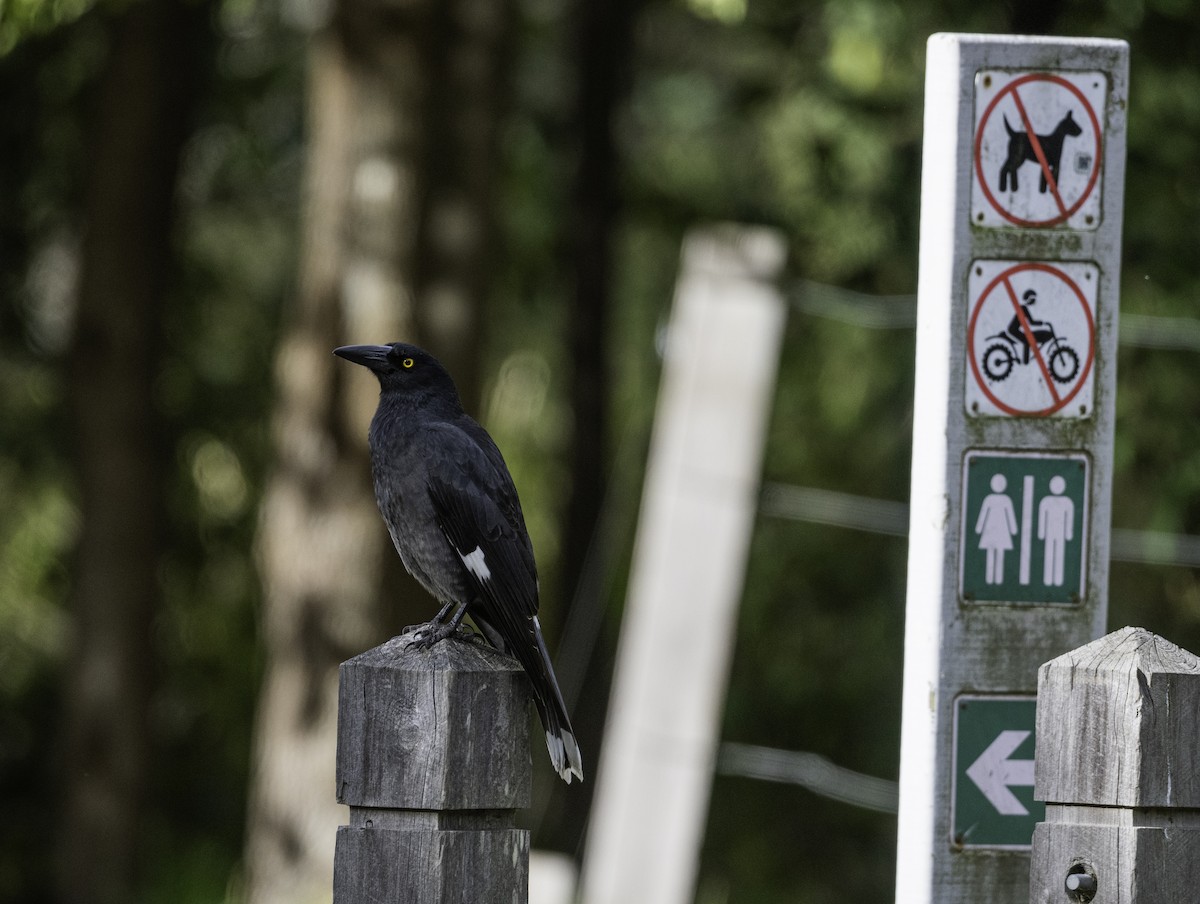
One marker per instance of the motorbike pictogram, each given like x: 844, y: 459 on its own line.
x: 1016, y: 346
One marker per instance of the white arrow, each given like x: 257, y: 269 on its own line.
x: 994, y: 773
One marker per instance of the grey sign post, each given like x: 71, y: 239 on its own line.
x: 1021, y: 200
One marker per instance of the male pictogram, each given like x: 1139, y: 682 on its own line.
x: 1056, y: 527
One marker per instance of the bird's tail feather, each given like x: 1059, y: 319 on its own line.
x: 535, y: 659
x: 560, y: 741
x: 560, y: 737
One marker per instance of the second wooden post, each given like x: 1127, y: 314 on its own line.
x: 1118, y: 765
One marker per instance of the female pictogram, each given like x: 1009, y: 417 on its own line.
x: 996, y: 527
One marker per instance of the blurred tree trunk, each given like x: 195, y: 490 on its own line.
x: 467, y: 69
x: 603, y: 37
x: 146, y: 97
x: 1034, y: 17
x: 397, y: 215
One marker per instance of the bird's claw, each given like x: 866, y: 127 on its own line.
x: 470, y: 635
x: 426, y: 635
x: 431, y: 633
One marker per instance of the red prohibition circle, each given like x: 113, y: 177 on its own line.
x: 1011, y: 87
x: 1091, y: 345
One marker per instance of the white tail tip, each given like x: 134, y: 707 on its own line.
x: 564, y: 754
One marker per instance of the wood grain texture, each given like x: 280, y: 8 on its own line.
x: 433, y: 759
x: 382, y: 866
x: 439, y: 729
x: 1118, y: 724
x: 1117, y: 764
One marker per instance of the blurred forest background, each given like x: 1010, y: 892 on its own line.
x: 199, y: 199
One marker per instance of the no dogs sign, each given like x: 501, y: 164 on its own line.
x: 1037, y: 149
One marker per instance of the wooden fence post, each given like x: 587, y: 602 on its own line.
x: 433, y: 760
x: 1118, y: 765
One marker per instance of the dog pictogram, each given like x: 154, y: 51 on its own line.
x: 1022, y: 148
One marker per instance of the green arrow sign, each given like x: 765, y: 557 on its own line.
x: 993, y: 772
x: 1024, y: 527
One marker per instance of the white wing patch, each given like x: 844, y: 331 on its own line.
x: 476, y: 564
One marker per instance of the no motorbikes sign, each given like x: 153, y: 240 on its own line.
x: 1031, y: 336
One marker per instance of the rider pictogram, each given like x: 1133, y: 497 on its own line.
x: 1016, y: 344
x: 1030, y: 339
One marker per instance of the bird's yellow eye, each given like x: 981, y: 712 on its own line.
x: 407, y: 363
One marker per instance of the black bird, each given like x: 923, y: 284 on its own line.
x: 454, y: 516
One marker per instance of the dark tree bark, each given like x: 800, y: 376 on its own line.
x: 396, y: 228
x: 1034, y: 17
x: 145, y: 102
x: 466, y: 62
x: 603, y: 40
x: 603, y: 37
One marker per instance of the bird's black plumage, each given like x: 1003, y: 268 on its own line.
x: 454, y: 517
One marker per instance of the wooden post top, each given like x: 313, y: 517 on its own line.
x: 440, y: 729
x: 1118, y: 724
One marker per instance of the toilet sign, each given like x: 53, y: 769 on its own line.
x: 1024, y: 527
x: 1031, y: 336
x: 1037, y: 149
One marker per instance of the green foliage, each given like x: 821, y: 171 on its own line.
x: 20, y: 18
x: 238, y: 197
x: 818, y: 658
x: 237, y: 260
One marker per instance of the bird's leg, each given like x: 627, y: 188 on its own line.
x: 435, y: 631
x: 433, y: 623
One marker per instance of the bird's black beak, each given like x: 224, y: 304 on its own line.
x: 373, y: 357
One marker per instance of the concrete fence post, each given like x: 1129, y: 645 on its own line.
x: 433, y: 760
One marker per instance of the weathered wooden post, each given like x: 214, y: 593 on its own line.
x: 1118, y: 765
x: 433, y: 760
